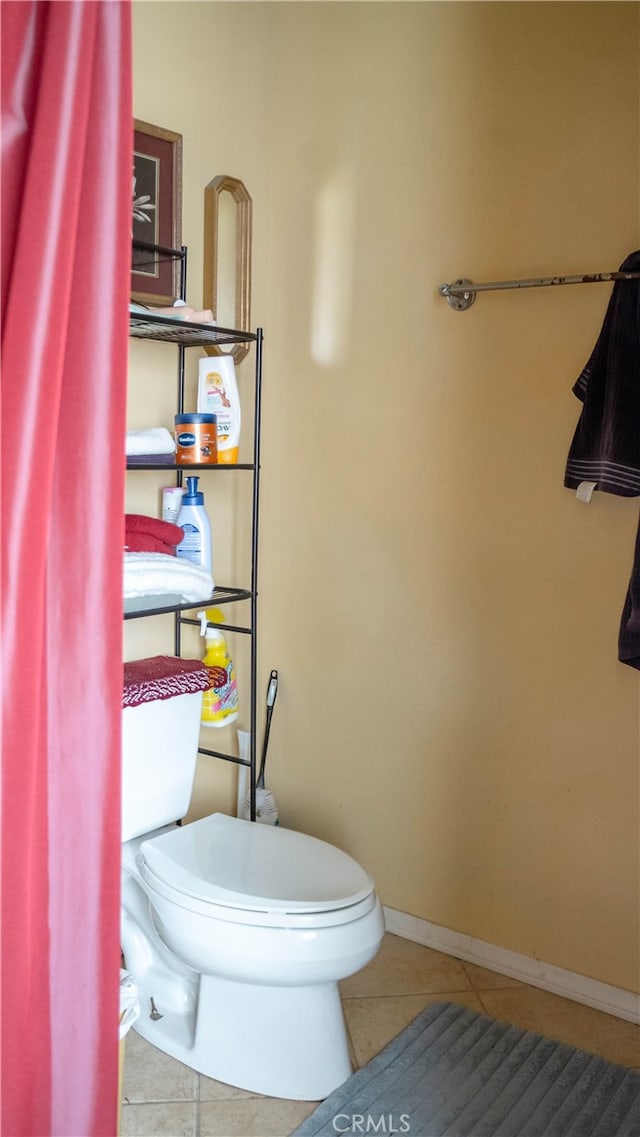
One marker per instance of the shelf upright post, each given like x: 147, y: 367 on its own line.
x: 183, y: 296
x: 255, y: 512
x: 177, y: 635
x: 183, y: 272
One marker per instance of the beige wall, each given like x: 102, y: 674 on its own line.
x: 443, y: 613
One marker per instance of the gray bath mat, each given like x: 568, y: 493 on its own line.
x: 456, y: 1073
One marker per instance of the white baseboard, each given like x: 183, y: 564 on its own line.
x: 601, y: 996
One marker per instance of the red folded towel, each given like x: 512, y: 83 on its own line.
x: 150, y: 535
x: 144, y: 543
x: 162, y: 530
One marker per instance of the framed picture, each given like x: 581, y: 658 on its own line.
x: 157, y: 212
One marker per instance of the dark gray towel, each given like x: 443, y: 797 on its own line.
x: 606, y: 444
x: 629, y: 634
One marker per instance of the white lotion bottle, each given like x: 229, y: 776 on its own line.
x: 197, y: 543
x: 218, y: 395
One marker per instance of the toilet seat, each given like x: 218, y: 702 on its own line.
x: 255, y: 873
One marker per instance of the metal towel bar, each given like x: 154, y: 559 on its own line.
x: 461, y: 294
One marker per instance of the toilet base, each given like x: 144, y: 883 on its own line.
x: 286, y: 1042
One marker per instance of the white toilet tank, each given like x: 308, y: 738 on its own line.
x: 161, y: 708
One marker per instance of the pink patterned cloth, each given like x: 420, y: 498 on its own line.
x: 162, y: 677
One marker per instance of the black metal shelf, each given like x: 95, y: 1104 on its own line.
x: 217, y: 597
x: 146, y: 326
x: 157, y: 251
x: 244, y: 630
x: 185, y: 468
x: 225, y: 757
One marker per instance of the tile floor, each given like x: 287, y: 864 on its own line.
x: 163, y: 1098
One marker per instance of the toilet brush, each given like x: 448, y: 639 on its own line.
x: 266, y: 808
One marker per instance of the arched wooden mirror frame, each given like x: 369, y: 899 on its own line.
x: 212, y: 270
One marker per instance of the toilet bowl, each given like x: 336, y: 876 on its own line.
x: 237, y: 935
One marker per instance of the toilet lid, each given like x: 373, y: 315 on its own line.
x: 243, y: 864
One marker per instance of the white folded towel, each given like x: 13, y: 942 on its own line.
x: 174, y: 313
x: 156, y: 574
x: 155, y: 440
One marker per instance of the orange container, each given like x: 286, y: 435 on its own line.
x: 196, y: 440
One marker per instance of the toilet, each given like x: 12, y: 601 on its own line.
x: 236, y: 933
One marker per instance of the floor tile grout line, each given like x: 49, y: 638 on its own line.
x: 478, y: 990
x: 485, y: 1009
x: 411, y: 994
x: 161, y: 1101
x: 469, y: 976
x: 351, y: 1045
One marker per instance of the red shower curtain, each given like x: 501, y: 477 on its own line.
x: 66, y: 212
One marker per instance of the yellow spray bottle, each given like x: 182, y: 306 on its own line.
x: 220, y: 702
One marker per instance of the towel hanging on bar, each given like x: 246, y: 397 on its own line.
x: 605, y: 450
x: 606, y: 445
x: 461, y: 294
x: 629, y: 631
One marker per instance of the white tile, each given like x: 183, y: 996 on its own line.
x: 583, y: 1027
x: 405, y: 968
x: 253, y: 1117
x: 372, y: 1023
x: 150, y: 1075
x: 211, y: 1090
x: 159, y: 1119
